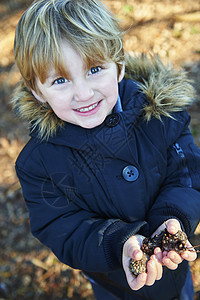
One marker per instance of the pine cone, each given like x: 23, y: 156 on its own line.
x: 139, y: 266
x: 176, y: 242
x: 165, y: 241
x: 149, y: 244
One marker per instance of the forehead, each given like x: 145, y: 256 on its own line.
x: 69, y: 59
x: 69, y: 53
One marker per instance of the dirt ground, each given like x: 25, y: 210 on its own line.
x: 28, y: 270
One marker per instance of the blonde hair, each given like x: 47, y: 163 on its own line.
x: 87, y: 24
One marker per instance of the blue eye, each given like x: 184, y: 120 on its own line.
x: 94, y: 70
x: 60, y: 80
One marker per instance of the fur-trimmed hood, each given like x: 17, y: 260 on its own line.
x: 167, y: 90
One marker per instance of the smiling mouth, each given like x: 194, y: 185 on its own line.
x: 89, y: 108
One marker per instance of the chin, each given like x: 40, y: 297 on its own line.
x: 92, y: 124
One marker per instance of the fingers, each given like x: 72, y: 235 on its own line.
x: 136, y: 282
x: 171, y: 260
x: 154, y: 271
x: 151, y: 272
x: 132, y: 249
x: 158, y: 258
x: 137, y: 254
x: 158, y: 253
x: 132, y: 246
x: 189, y: 255
x: 174, y: 257
x: 173, y: 226
x: 169, y: 264
x: 154, y: 266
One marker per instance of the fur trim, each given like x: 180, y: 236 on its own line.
x: 167, y: 90
x: 37, y: 114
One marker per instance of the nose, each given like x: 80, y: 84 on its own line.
x: 83, y: 91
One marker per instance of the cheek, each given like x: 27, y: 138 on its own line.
x: 110, y: 85
x: 111, y: 89
x: 61, y: 111
x: 58, y: 101
x: 60, y: 107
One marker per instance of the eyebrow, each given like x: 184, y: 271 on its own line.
x: 66, y: 74
x: 52, y: 76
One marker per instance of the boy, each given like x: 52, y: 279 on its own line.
x: 111, y: 159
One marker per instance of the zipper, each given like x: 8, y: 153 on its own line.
x: 186, y: 179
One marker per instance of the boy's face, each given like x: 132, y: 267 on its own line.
x: 86, y: 97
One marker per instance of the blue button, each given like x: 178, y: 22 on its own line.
x: 130, y: 173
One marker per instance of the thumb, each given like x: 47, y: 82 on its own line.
x: 173, y: 226
x: 133, y: 247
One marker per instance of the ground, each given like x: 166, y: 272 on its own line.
x: 29, y: 270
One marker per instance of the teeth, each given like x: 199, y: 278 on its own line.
x: 85, y: 109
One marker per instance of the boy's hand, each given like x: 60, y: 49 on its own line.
x: 132, y: 249
x: 172, y: 259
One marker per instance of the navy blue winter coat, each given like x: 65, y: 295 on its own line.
x: 89, y: 190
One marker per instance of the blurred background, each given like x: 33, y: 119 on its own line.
x: 28, y: 270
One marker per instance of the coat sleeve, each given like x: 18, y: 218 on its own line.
x: 179, y: 195
x: 78, y: 237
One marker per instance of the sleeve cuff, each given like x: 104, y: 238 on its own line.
x: 159, y: 217
x: 116, y: 235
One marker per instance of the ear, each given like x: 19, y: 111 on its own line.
x: 37, y: 96
x: 121, y: 75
